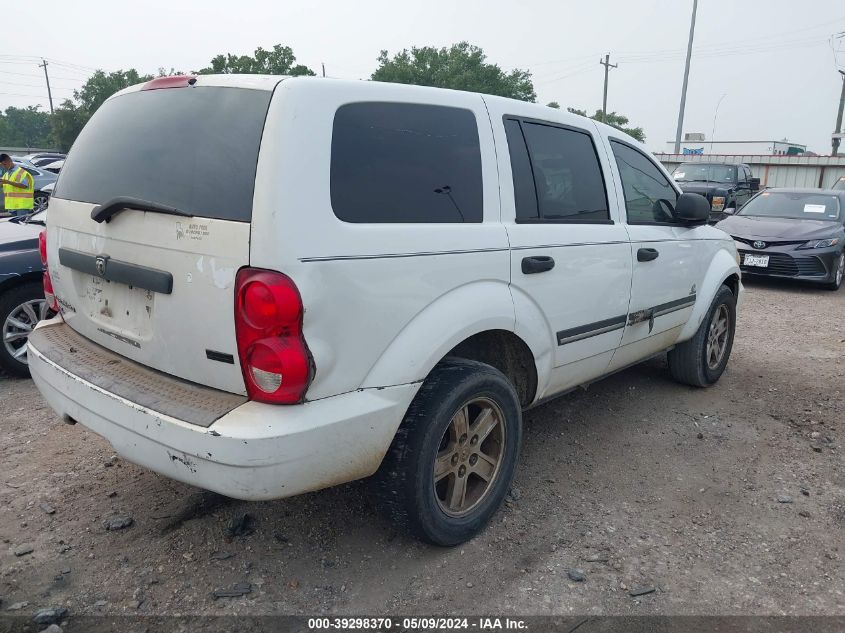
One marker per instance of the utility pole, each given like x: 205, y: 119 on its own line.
x: 47, y: 77
x: 837, y: 139
x: 686, y: 78
x: 324, y: 68
x: 607, y: 66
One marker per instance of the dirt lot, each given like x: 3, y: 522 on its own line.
x: 729, y: 500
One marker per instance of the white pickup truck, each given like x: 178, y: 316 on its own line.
x: 272, y: 285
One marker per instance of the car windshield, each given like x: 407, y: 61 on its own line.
x: 704, y: 172
x: 840, y: 184
x: 798, y: 206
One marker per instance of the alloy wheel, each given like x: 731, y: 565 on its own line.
x: 717, y: 336
x: 19, y: 324
x: 470, y: 455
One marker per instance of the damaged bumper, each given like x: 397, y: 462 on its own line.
x: 253, y: 451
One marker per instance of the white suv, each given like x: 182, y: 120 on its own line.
x: 273, y: 285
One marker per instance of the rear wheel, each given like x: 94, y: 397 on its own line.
x: 20, y: 309
x: 700, y: 361
x: 838, y: 274
x: 453, y: 458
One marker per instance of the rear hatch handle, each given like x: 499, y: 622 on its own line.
x: 106, y: 211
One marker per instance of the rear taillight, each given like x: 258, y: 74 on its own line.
x: 275, y: 362
x: 49, y: 295
x: 42, y: 247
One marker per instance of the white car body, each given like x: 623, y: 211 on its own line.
x: 384, y: 302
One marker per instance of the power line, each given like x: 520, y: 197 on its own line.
x: 36, y: 75
x: 15, y: 83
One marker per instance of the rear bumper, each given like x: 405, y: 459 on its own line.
x: 256, y: 451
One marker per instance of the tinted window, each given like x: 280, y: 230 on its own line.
x: 195, y: 149
x: 799, y: 206
x: 525, y: 194
x: 399, y: 162
x: 566, y: 174
x: 704, y: 172
x: 649, y: 197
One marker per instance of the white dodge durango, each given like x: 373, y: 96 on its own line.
x: 272, y: 285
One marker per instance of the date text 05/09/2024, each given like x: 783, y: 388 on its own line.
x: 417, y: 624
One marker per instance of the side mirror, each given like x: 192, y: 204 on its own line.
x: 693, y: 208
x: 755, y: 184
x: 729, y: 211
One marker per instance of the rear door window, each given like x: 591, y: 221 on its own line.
x: 405, y: 162
x: 556, y: 174
x: 194, y: 148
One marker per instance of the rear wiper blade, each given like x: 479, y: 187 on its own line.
x: 106, y: 211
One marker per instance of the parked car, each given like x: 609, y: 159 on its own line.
x: 54, y: 166
x: 727, y: 186
x: 794, y: 233
x: 22, y: 301
x: 41, y: 178
x: 43, y: 158
x: 839, y: 185
x: 381, y: 289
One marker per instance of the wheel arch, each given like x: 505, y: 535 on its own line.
x: 723, y: 270
x: 16, y: 280
x: 482, y: 314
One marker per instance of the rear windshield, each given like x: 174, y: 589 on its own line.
x: 800, y: 206
x: 195, y: 149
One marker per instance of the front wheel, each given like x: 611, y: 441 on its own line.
x: 838, y: 274
x: 700, y: 361
x: 453, y: 458
x: 40, y: 202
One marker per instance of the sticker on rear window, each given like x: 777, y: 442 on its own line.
x: 815, y: 208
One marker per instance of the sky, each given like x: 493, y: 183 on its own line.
x: 773, y: 63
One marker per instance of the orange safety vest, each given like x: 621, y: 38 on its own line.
x: 17, y: 199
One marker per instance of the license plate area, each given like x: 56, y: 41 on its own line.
x: 759, y: 261
x: 115, y: 307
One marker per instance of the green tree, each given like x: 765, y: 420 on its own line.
x: 619, y: 121
x: 460, y: 67
x: 553, y: 104
x: 278, y: 61
x: 101, y: 85
x: 66, y: 124
x: 72, y: 115
x: 24, y: 127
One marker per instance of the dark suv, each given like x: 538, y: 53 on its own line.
x: 727, y: 186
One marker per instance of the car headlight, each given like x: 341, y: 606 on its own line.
x: 718, y: 203
x: 833, y: 241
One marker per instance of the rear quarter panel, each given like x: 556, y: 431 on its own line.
x: 381, y: 300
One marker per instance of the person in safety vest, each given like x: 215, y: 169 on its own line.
x: 18, y: 187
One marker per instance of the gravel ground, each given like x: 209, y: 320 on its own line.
x: 729, y: 500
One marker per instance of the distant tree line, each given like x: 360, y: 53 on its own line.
x: 461, y: 66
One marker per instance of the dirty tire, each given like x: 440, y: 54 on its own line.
x: 405, y: 483
x: 10, y: 301
x: 688, y: 362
